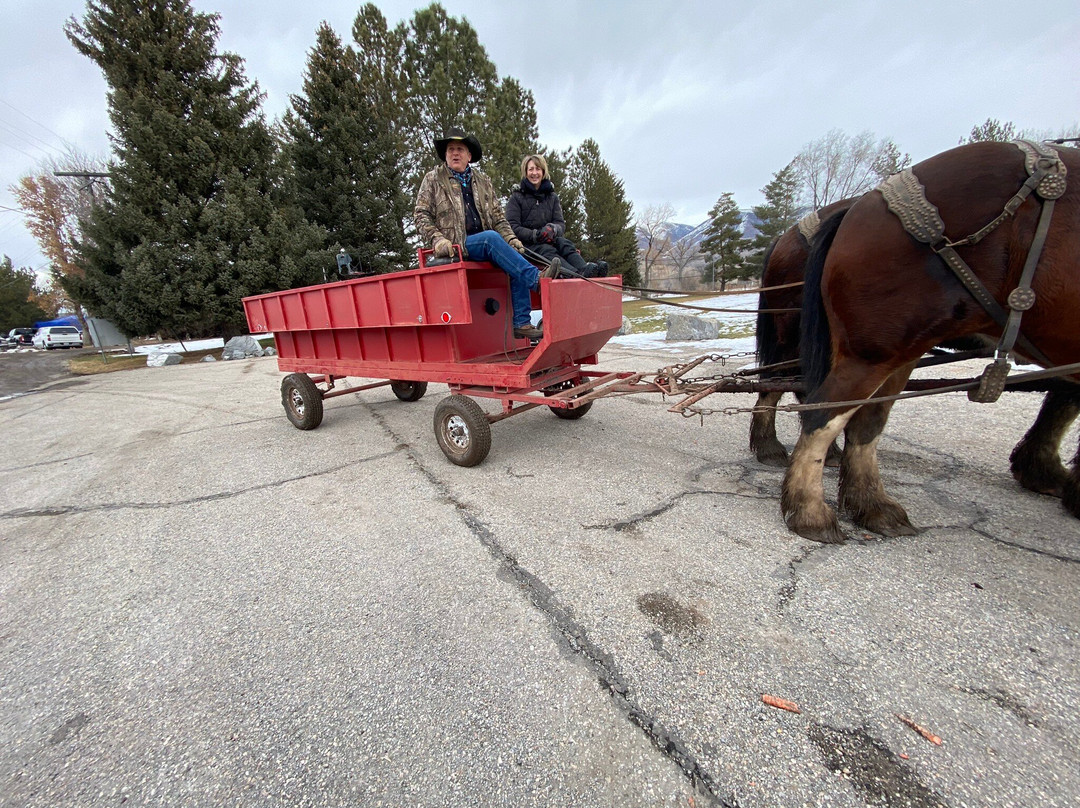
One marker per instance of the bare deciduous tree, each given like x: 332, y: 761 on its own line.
x: 837, y: 166
x: 653, y: 230
x: 681, y: 254
x: 55, y: 207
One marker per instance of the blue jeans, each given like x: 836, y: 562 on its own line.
x: 490, y: 246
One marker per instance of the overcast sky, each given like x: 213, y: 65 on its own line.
x: 688, y: 100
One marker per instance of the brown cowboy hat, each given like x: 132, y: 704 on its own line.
x: 471, y: 143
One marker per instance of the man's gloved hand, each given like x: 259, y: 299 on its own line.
x: 443, y: 248
x: 547, y: 235
x: 517, y: 245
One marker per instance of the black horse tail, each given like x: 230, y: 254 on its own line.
x: 815, y: 339
x: 768, y: 342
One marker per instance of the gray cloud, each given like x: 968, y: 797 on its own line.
x: 687, y: 100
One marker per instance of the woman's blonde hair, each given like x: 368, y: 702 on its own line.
x: 540, y: 161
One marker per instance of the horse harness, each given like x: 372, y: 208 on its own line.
x: 906, y: 198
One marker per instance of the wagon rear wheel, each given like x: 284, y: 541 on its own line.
x: 408, y: 391
x: 563, y: 412
x: 463, y: 430
x: 302, y: 401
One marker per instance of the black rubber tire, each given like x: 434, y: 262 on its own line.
x: 302, y: 401
x: 408, y: 391
x: 571, y: 415
x: 462, y: 430
x: 563, y: 412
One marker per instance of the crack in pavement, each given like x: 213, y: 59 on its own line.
x: 571, y: 633
x: 64, y: 510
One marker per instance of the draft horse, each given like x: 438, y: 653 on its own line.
x: 880, y: 293
x: 777, y: 333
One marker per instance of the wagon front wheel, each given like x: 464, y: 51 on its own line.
x: 408, y: 391
x: 563, y: 412
x: 302, y: 401
x: 463, y: 430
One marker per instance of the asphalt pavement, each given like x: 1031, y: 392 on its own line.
x: 202, y: 605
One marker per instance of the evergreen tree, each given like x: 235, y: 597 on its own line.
x: 509, y: 132
x: 447, y: 81
x: 561, y: 176
x: 18, y: 290
x: 609, y: 228
x: 194, y: 218
x: 345, y: 160
x: 777, y: 215
x: 724, y: 244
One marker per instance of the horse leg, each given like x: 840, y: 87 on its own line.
x: 763, y: 441
x: 802, y: 498
x: 1070, y: 494
x: 861, y: 493
x: 833, y: 455
x: 1035, y: 461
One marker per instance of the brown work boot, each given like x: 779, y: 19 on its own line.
x: 552, y: 270
x: 527, y: 331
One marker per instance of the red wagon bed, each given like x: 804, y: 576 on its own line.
x: 450, y: 324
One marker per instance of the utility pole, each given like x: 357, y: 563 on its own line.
x: 91, y: 177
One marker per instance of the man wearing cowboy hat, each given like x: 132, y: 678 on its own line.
x: 457, y: 205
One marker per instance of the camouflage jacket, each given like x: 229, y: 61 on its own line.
x: 440, y: 210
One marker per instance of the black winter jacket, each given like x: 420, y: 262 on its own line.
x: 530, y: 209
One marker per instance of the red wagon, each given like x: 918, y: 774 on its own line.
x: 451, y: 324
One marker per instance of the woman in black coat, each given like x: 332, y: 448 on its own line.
x: 536, y: 217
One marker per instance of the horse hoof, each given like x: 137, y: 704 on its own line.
x: 833, y: 456
x: 824, y: 536
x: 772, y: 453
x: 779, y: 461
x: 1038, y: 471
x: 1048, y: 485
x: 889, y: 520
x: 1071, y: 499
x: 825, y: 531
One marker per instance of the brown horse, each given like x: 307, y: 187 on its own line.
x: 876, y: 299
x: 778, y: 334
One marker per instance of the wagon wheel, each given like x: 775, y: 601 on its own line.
x: 408, y: 391
x: 463, y: 430
x: 563, y: 412
x: 302, y: 401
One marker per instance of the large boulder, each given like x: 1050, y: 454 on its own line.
x: 687, y: 327
x: 625, y: 328
x: 242, y: 348
x: 159, y: 359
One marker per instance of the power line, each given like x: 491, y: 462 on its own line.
x: 61, y: 138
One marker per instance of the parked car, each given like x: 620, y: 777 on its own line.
x: 58, y: 336
x: 20, y: 336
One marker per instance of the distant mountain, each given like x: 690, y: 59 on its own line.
x: 686, y: 232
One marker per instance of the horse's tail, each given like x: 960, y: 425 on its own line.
x: 815, y: 339
x: 768, y: 342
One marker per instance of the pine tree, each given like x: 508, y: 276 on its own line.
x: 509, y: 132
x: 447, y: 80
x: 18, y: 289
x: 609, y: 228
x: 724, y: 244
x: 194, y: 218
x: 779, y: 213
x: 345, y: 160
x: 561, y: 175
